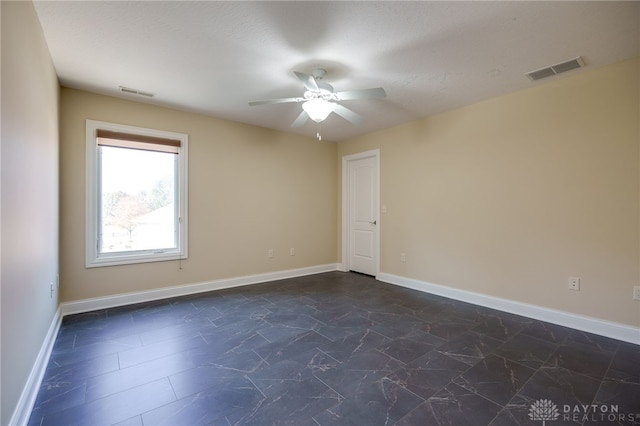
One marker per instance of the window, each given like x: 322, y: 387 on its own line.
x: 136, y: 195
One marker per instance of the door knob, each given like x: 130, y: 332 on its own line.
x: 374, y: 222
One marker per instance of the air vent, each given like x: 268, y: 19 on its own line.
x: 135, y: 92
x: 556, y: 69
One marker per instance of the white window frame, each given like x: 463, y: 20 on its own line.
x: 93, y: 256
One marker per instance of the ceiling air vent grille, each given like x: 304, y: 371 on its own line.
x: 135, y: 92
x: 556, y: 69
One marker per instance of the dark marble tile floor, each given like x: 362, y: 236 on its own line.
x: 331, y: 349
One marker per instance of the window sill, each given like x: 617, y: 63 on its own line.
x: 130, y: 259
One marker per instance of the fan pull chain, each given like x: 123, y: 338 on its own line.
x: 318, y: 135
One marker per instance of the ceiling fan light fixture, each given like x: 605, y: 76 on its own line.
x: 318, y: 109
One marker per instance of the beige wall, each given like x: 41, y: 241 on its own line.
x: 511, y: 196
x: 29, y: 211
x: 250, y: 189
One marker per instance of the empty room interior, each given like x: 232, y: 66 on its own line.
x: 451, y: 237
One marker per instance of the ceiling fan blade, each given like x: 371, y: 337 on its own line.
x: 308, y: 81
x: 275, y: 101
x: 302, y: 118
x: 378, y: 92
x: 347, y: 114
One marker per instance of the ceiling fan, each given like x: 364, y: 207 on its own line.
x: 319, y: 100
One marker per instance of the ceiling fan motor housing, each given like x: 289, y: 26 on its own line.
x: 325, y: 92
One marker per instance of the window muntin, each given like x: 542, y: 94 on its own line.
x: 136, y: 195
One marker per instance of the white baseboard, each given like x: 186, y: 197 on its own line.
x: 592, y: 325
x: 30, y: 391
x: 93, y: 304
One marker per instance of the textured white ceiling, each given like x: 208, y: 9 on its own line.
x: 214, y: 57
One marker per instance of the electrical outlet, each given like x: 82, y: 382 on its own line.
x: 292, y: 251
x: 574, y: 283
x: 636, y: 292
x: 403, y: 257
x: 270, y: 253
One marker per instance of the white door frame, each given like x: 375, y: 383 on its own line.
x: 345, y: 207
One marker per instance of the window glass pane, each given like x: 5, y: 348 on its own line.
x: 137, y: 200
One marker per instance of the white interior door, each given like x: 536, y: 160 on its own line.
x: 363, y: 215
